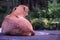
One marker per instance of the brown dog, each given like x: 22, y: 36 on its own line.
x: 16, y: 23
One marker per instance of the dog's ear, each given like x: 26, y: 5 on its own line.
x: 26, y: 9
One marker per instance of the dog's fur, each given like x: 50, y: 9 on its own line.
x: 16, y: 23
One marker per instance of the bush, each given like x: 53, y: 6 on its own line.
x: 37, y: 24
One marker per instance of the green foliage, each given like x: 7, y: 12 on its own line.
x: 37, y: 24
x: 54, y: 11
x: 43, y: 19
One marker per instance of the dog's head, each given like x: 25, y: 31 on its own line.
x: 21, y: 10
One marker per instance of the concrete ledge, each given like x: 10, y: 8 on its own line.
x: 40, y: 35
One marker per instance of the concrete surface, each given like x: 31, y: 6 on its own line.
x: 39, y: 35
